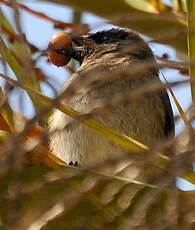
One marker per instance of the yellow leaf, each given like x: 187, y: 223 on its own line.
x: 189, y: 176
x: 111, y: 134
x: 142, y: 5
x: 3, y: 136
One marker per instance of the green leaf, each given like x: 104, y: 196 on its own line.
x: 5, y: 22
x: 16, y: 68
x: 3, y: 135
x: 7, y: 112
x: 29, y: 77
x: 191, y: 42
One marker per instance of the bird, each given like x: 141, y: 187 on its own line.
x: 102, y: 55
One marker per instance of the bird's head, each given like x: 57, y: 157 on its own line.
x: 108, y: 43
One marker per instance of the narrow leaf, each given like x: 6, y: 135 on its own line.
x: 191, y: 41
x: 142, y: 5
x: 111, y: 134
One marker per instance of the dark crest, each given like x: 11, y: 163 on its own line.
x: 114, y: 35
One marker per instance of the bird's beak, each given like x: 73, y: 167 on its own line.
x: 83, y: 41
x: 84, y: 45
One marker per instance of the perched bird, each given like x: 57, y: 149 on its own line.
x: 149, y: 119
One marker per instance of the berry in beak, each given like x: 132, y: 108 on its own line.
x: 60, y: 50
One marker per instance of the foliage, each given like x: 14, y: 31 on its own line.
x: 38, y: 190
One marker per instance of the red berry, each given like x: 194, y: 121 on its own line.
x: 59, y: 40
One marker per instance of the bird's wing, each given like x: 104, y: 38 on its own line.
x: 169, y: 119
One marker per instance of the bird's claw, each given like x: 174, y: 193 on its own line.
x: 74, y: 163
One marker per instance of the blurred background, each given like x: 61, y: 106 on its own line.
x: 30, y: 189
x: 39, y: 32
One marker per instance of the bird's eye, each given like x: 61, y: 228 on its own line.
x: 105, y: 37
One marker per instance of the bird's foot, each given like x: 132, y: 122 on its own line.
x: 74, y: 163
